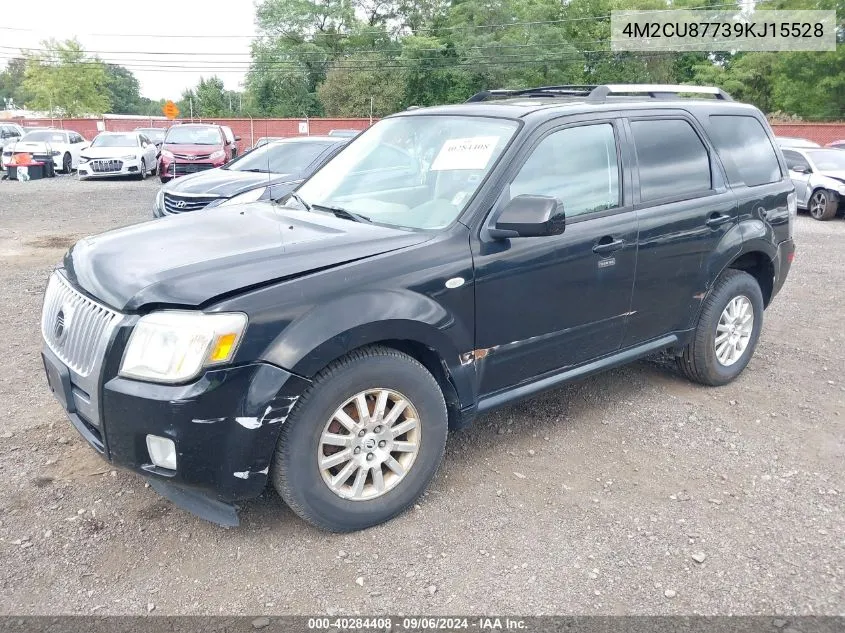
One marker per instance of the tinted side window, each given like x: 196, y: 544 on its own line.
x: 794, y: 159
x: 673, y: 161
x: 744, y: 141
x: 577, y: 166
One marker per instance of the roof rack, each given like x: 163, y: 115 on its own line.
x: 540, y: 91
x: 600, y: 93
x: 656, y: 91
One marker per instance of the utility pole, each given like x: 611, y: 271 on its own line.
x: 191, y: 103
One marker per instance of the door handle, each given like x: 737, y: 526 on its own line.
x: 607, y: 245
x: 717, y: 219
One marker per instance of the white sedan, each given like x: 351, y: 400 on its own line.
x: 118, y: 154
x: 64, y: 146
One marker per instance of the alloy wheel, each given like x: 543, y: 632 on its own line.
x: 733, y: 332
x: 369, y: 444
x: 818, y: 204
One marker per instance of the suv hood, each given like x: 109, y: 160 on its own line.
x: 190, y: 259
x: 224, y: 182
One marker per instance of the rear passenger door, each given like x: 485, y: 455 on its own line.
x: 684, y: 209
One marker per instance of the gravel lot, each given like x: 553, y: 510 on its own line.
x: 632, y: 492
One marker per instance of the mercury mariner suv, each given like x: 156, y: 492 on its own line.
x: 448, y: 261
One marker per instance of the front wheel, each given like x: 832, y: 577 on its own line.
x: 66, y: 163
x: 727, y: 332
x: 822, y: 205
x: 363, y: 442
x: 143, y: 172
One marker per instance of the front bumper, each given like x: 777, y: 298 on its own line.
x: 782, y: 264
x: 225, y: 426
x: 129, y: 167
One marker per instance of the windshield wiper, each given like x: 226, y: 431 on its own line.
x: 299, y: 199
x: 254, y: 170
x: 340, y: 212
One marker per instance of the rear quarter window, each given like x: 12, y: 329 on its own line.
x: 745, y: 148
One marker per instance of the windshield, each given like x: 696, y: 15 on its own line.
x: 44, y: 135
x: 828, y: 159
x: 279, y: 158
x: 154, y: 134
x: 412, y: 171
x: 115, y: 140
x: 183, y: 135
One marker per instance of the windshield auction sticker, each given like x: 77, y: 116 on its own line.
x: 706, y: 30
x: 465, y: 153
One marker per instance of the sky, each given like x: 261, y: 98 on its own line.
x: 139, y: 36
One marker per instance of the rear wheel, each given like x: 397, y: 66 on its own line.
x: 363, y: 442
x: 727, y: 332
x: 822, y: 205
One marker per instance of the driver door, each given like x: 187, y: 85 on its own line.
x: 548, y: 303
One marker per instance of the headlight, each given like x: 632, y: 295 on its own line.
x: 247, y: 196
x: 84, y: 159
x: 55, y: 153
x: 174, y: 346
x: 218, y: 154
x: 167, y: 153
x: 129, y: 157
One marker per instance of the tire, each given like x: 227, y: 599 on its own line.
x: 154, y: 170
x: 143, y: 170
x: 296, y: 472
x: 822, y: 205
x: 699, y: 360
x: 67, y: 163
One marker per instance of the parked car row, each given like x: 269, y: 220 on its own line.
x: 268, y: 173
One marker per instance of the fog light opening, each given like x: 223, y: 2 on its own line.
x: 162, y: 451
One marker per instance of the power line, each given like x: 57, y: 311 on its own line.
x: 398, y: 62
x: 732, y: 5
x: 394, y: 50
x: 404, y: 64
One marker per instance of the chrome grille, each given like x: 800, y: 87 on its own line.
x: 175, y: 203
x: 192, y: 156
x: 106, y: 166
x: 74, y: 327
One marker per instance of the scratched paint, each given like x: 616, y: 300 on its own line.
x: 208, y: 421
x: 244, y: 474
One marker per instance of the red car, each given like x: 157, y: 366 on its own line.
x: 194, y: 147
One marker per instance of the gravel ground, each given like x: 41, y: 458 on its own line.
x: 631, y: 492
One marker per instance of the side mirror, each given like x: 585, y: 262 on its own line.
x: 801, y: 169
x: 237, y: 138
x: 530, y: 216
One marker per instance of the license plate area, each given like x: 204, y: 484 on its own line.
x: 58, y: 378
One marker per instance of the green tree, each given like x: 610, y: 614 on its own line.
x: 351, y: 92
x: 62, y: 79
x: 11, y: 83
x: 123, y: 89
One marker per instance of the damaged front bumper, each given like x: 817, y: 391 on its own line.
x: 224, y: 425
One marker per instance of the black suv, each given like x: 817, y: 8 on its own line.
x: 449, y: 260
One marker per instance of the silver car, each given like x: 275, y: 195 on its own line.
x: 819, y: 179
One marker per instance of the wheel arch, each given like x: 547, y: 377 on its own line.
x: 418, y: 326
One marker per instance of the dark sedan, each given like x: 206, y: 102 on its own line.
x: 267, y: 173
